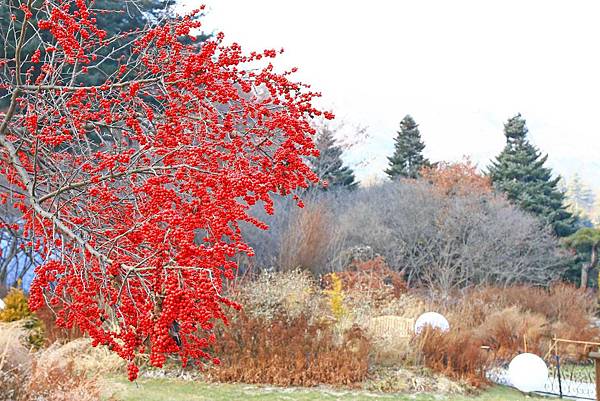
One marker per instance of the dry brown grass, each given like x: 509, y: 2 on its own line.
x: 288, y: 352
x: 15, y: 361
x: 60, y: 373
x: 391, y: 337
x: 456, y: 354
x: 61, y: 382
x: 83, y: 356
x: 508, y: 321
x: 288, y: 294
x: 306, y: 241
x: 561, y: 311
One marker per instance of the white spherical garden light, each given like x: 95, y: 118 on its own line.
x: 528, y: 372
x: 433, y: 319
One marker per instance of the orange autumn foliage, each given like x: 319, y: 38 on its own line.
x: 459, y: 178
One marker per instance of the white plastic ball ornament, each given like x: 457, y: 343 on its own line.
x: 528, y: 372
x: 433, y: 319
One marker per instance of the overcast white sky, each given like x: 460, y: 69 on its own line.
x: 460, y: 68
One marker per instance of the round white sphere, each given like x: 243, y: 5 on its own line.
x: 528, y: 372
x: 2, y: 304
x: 433, y: 319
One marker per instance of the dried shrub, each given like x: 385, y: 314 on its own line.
x: 290, y: 352
x: 456, y: 354
x: 460, y: 178
x: 53, y: 333
x: 373, y: 276
x: 85, y: 357
x: 511, y: 330
x: 61, y: 382
x: 15, y: 361
x: 305, y: 244
x: 289, y: 294
x: 47, y: 375
x: 508, y: 321
x: 567, y: 310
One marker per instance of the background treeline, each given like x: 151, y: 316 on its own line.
x: 442, y: 225
x: 439, y: 236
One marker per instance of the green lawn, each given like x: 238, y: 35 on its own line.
x: 175, y: 390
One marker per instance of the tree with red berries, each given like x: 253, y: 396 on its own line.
x: 132, y: 190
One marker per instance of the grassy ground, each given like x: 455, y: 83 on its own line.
x: 174, y: 390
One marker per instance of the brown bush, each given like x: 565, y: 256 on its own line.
x: 305, y: 243
x: 371, y: 276
x: 510, y: 331
x: 456, y: 354
x: 60, y: 382
x: 15, y: 361
x: 288, y: 352
x: 506, y: 321
x: 53, y: 333
x: 27, y: 376
x: 568, y: 310
x: 290, y: 294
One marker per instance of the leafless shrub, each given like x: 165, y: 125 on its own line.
x: 305, y: 243
x: 292, y: 293
x: 450, y: 242
x: 444, y: 242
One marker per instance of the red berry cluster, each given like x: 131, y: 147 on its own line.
x: 132, y: 191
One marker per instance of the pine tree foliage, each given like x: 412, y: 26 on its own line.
x: 585, y: 241
x: 117, y: 17
x: 580, y: 198
x: 407, y: 160
x: 329, y: 165
x: 519, y: 171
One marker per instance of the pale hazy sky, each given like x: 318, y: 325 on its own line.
x: 460, y: 68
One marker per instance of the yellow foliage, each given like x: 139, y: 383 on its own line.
x: 16, y: 306
x: 336, y: 297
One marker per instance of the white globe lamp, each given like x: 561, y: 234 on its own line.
x: 433, y: 319
x: 528, y: 372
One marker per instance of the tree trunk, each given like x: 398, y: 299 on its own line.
x: 587, y: 267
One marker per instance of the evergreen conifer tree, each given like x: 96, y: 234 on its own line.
x: 407, y: 160
x: 329, y: 165
x: 520, y: 173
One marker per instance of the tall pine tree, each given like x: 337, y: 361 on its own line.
x: 407, y: 160
x: 519, y: 172
x: 329, y: 165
